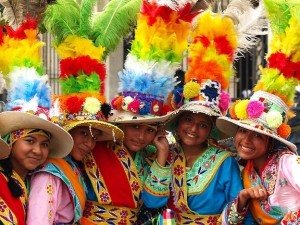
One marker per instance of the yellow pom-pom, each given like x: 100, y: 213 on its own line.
x: 92, y: 105
x: 232, y: 110
x: 284, y: 130
x: 191, y: 90
x: 274, y: 119
x: 241, y: 109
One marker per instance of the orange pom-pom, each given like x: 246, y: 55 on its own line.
x: 117, y: 102
x: 232, y: 110
x: 284, y: 130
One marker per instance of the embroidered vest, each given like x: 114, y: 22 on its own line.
x: 66, y: 170
x: 116, y: 183
x: 262, y: 211
x: 12, y: 210
x: 209, y: 162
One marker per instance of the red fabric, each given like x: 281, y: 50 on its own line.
x: 114, y: 176
x: 13, y: 203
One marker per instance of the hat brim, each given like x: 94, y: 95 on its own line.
x: 4, y: 149
x: 61, y: 142
x: 193, y: 107
x: 121, y: 117
x: 110, y: 131
x: 229, y: 126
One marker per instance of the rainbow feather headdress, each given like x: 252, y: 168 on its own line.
x: 211, y: 55
x: 267, y: 109
x: 83, y: 39
x: 28, y: 92
x: 156, y: 53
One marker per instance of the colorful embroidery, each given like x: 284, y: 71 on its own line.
x: 56, y: 171
x: 158, y: 180
x: 108, y: 214
x: 189, y: 218
x: 102, y: 210
x: 6, y: 215
x: 188, y: 182
x: 268, y: 179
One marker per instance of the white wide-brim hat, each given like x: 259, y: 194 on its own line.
x: 61, y: 142
x: 109, y: 131
x: 229, y: 126
x: 121, y: 117
x: 194, y: 107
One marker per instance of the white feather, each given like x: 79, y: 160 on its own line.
x: 249, y: 22
x: 2, y: 83
x: 55, y: 109
x: 13, y: 12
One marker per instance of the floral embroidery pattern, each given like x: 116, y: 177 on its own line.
x: 104, y: 197
x: 135, y: 186
x: 178, y: 170
x: 121, y: 154
x: 89, y: 163
x: 109, y: 214
x: 3, y: 206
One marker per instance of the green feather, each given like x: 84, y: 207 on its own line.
x: 82, y: 83
x: 62, y: 19
x: 279, y: 14
x: 118, y: 17
x: 86, y: 13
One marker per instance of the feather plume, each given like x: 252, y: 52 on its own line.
x: 283, y: 73
x: 62, y: 21
x: 114, y: 22
x: 249, y: 23
x: 13, y: 12
x: 85, y: 17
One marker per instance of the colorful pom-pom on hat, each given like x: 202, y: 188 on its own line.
x: 211, y: 55
x: 267, y: 109
x: 83, y: 39
x: 156, y: 53
x: 28, y: 92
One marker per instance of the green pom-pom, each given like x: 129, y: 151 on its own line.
x: 274, y: 119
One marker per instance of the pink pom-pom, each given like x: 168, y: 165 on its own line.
x: 224, y: 101
x: 134, y: 106
x: 255, y: 109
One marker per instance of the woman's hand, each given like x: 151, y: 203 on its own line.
x: 258, y: 192
x: 162, y: 145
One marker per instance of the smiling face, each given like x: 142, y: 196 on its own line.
x: 84, y: 141
x: 251, y: 145
x: 193, y: 129
x: 138, y: 136
x: 29, y: 152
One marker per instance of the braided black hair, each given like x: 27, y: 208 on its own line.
x: 15, y: 189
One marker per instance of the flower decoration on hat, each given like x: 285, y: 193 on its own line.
x: 21, y: 67
x: 274, y: 92
x: 83, y: 39
x: 211, y: 54
x: 161, y: 38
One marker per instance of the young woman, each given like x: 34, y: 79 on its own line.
x: 29, y: 149
x: 115, y: 173
x: 58, y: 191
x: 270, y: 174
x: 25, y: 125
x: 259, y: 125
x: 201, y: 185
